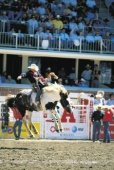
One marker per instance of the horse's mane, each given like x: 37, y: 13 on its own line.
x: 55, y: 87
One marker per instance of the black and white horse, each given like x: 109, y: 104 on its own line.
x: 52, y: 94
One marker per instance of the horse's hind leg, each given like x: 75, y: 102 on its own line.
x: 55, y: 121
x: 27, y: 127
x: 59, y: 120
x: 31, y: 125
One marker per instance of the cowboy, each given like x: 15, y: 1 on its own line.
x: 96, y: 119
x: 33, y: 74
x: 108, y: 114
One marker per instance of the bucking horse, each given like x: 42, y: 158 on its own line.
x: 51, y: 95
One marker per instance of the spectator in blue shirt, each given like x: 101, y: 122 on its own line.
x: 82, y: 83
x: 110, y: 101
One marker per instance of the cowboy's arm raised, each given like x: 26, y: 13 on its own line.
x: 23, y: 75
x: 54, y: 75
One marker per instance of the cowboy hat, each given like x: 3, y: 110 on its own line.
x: 99, y: 106
x: 88, y: 65
x: 99, y: 95
x: 34, y: 67
x: 106, y: 107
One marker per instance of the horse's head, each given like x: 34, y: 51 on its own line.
x: 65, y: 102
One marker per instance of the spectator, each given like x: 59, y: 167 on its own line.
x: 110, y: 101
x: 59, y: 10
x: 112, y: 42
x: 18, y: 123
x: 32, y: 25
x: 41, y: 9
x: 21, y: 38
x: 9, y: 80
x: 42, y: 22
x: 66, y: 11
x: 11, y: 37
x: 95, y: 76
x: 64, y: 39
x: 60, y: 81
x: 50, y: 76
x: 97, y: 42
x: 82, y: 83
x: 58, y: 24
x: 99, y: 100
x: 56, y: 36
x: 86, y: 74
x: 96, y: 119
x: 108, y: 111
x: 107, y: 40
x: 4, y: 76
x: 62, y: 73
x: 72, y: 76
x: 48, y: 36
x: 90, y: 41
x: 49, y: 24
x: 72, y: 24
x: 39, y: 34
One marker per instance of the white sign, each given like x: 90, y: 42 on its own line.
x: 71, y: 131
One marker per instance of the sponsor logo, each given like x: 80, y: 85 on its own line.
x: 74, y: 129
x: 9, y: 130
x: 52, y: 128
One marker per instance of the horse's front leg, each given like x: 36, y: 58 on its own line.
x: 27, y: 127
x: 59, y: 120
x: 55, y: 121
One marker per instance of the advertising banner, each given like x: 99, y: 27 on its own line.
x: 71, y: 131
x: 24, y: 134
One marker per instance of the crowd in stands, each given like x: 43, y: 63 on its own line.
x: 6, y: 78
x: 67, y: 19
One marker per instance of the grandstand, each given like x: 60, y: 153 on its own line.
x: 56, y: 32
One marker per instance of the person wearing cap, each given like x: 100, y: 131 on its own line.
x: 97, y: 117
x: 82, y: 83
x: 86, y: 74
x: 95, y: 76
x: 99, y: 99
x: 32, y: 75
x: 58, y: 24
x: 108, y: 114
x: 110, y: 101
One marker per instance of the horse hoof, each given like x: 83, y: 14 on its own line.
x: 31, y: 136
x: 61, y: 130
x: 57, y: 131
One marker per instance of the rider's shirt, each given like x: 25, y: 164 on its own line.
x: 31, y: 75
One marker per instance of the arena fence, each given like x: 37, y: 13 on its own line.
x: 31, y: 41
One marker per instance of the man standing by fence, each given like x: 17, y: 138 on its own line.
x: 96, y: 119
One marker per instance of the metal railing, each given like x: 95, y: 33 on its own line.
x: 29, y: 41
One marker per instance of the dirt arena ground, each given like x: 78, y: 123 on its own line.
x: 55, y: 155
